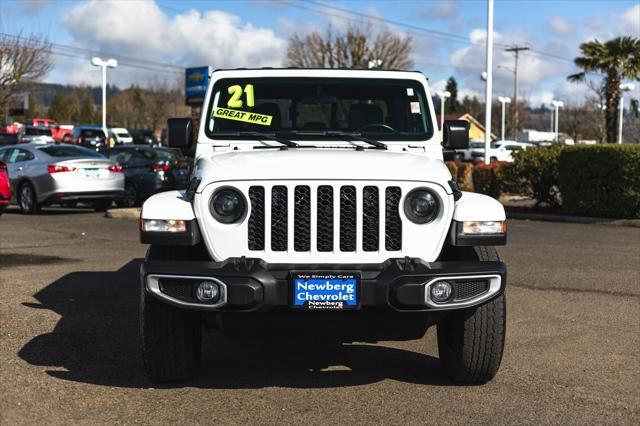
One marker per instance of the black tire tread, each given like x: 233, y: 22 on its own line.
x: 171, y: 337
x: 471, y: 342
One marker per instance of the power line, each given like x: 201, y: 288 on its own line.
x: 423, y: 32
x: 84, y: 53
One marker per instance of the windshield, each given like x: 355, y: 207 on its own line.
x: 37, y: 131
x: 69, y: 151
x: 388, y: 109
x: 92, y: 133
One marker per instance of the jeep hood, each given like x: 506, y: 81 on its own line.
x: 321, y: 164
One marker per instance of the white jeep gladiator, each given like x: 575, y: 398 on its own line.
x: 320, y: 208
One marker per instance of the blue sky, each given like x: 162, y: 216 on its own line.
x: 155, y: 38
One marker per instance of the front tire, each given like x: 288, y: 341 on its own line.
x: 171, y: 337
x: 27, y: 199
x: 471, y: 341
x: 130, y: 197
x: 102, y: 205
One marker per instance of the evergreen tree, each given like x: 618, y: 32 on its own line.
x: 452, y: 104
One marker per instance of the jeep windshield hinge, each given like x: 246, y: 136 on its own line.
x: 457, y: 194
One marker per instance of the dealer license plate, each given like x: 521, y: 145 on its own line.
x: 326, y: 291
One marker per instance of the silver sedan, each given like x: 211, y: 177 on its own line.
x: 65, y: 174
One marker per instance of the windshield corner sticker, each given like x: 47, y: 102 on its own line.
x: 415, y: 107
x: 245, y: 116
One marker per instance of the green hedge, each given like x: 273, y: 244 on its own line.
x: 601, y: 180
x: 535, y: 172
x: 485, y: 179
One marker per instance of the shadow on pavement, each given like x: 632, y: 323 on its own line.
x: 96, y: 341
x: 53, y: 211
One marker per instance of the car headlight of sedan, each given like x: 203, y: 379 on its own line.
x: 227, y: 205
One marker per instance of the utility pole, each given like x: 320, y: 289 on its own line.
x: 488, y: 92
x: 516, y: 50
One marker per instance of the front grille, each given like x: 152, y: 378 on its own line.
x: 348, y: 218
x: 393, y: 225
x: 467, y: 289
x: 324, y: 229
x: 302, y: 219
x: 256, y: 220
x: 361, y: 213
x: 279, y: 218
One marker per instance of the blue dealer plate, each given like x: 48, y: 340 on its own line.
x: 325, y: 291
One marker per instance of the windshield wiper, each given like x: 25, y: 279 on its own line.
x: 260, y: 135
x: 338, y: 134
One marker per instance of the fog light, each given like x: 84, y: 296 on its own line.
x: 207, y: 291
x: 441, y: 291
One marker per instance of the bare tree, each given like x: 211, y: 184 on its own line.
x: 357, y: 47
x: 21, y: 59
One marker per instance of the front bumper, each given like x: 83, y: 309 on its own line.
x: 252, y: 285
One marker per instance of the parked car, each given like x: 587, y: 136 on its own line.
x: 465, y: 154
x: 8, y: 138
x: 89, y: 136
x: 51, y: 174
x: 141, y: 136
x: 120, y: 135
x: 149, y: 170
x: 32, y: 134
x: 499, y: 151
x: 5, y: 188
x: 60, y: 133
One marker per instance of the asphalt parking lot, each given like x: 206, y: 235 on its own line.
x: 70, y: 350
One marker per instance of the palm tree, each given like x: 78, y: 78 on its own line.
x: 617, y: 59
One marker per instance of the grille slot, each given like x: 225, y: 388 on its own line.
x: 279, y: 219
x: 467, y: 289
x: 324, y: 226
x: 348, y: 218
x: 393, y: 225
x: 302, y: 219
x: 370, y: 219
x: 256, y: 220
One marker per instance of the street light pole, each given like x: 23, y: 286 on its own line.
x: 623, y: 88
x: 503, y: 100
x: 516, y: 86
x: 443, y: 95
x: 557, y: 105
x: 488, y: 93
x: 111, y: 63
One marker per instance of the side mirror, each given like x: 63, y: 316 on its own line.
x: 179, y: 132
x: 455, y: 134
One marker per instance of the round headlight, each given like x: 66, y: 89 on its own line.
x: 227, y: 205
x: 421, y: 206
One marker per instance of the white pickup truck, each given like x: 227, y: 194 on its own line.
x: 320, y: 208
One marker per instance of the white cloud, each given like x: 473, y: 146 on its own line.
x: 630, y: 21
x: 141, y: 29
x: 439, y: 10
x: 560, y: 27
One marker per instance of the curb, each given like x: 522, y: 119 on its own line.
x: 633, y: 223
x: 129, y: 213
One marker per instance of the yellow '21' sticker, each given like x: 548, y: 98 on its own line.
x: 235, y: 101
x: 245, y: 116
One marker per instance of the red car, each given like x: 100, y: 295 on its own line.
x: 60, y: 133
x: 5, y: 187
